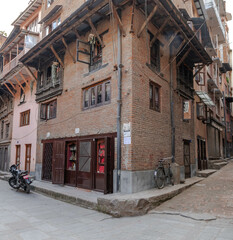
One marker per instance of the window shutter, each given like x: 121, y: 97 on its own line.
x: 53, y: 109
x: 83, y: 52
x: 43, y: 111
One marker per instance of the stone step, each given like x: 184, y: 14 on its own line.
x: 205, y: 173
x: 218, y: 165
x: 217, y: 161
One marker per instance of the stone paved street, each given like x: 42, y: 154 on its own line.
x: 34, y: 216
x: 213, y: 195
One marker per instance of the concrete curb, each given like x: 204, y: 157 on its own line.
x: 65, y: 198
x: 138, y: 206
x: 119, y: 205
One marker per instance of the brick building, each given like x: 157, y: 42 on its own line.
x: 115, y: 91
x: 19, y: 82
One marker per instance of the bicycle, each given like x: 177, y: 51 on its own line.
x: 161, y: 175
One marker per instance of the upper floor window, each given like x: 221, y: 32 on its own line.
x: 33, y: 26
x: 54, y: 24
x: 154, y: 94
x: 155, y: 53
x: 25, y: 118
x: 48, y: 110
x: 97, y: 95
x: 2, y: 129
x: 50, y: 75
x: 200, y: 77
x: 49, y: 3
x: 7, y: 129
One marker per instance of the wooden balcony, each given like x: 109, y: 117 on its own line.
x: 13, y: 63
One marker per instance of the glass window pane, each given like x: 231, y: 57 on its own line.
x: 107, y: 92
x: 99, y: 94
x: 157, y: 98
x: 86, y: 98
x: 85, y: 157
x: 58, y: 21
x: 93, y: 96
x: 54, y: 25
x: 151, y: 96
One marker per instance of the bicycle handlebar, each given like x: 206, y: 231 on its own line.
x: 164, y: 159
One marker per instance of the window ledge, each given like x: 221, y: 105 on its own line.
x: 161, y: 75
x: 95, y: 70
x: 21, y: 103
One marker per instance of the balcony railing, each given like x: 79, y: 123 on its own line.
x: 13, y: 63
x: 215, y: 22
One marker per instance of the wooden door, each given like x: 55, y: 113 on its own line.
x: 17, y: 156
x: 187, y: 159
x: 58, y: 162
x: 103, y: 167
x: 28, y: 157
x: 47, y: 161
x: 85, y: 169
x: 6, y: 164
x: 199, y: 154
x: 71, y: 163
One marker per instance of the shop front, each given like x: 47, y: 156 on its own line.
x: 85, y: 162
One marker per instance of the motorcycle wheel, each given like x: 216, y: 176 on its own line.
x: 27, y: 188
x: 13, y: 183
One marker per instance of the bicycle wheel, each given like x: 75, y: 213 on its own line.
x: 160, y: 178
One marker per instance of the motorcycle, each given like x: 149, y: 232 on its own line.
x: 19, y: 179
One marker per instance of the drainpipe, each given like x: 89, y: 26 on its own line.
x: 119, y: 101
x: 224, y: 107
x: 172, y: 109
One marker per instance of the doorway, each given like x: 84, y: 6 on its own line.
x: 201, y: 150
x: 47, y: 162
x: 187, y: 159
x: 28, y: 157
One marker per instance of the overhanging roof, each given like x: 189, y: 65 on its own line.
x: 227, y: 66
x: 205, y: 98
x: 55, y: 10
x: 27, y: 12
x: 11, y: 37
x: 95, y: 10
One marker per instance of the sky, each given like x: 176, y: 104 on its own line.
x: 10, y: 9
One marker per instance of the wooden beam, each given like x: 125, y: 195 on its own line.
x: 24, y: 79
x: 55, y: 37
x: 171, y: 39
x: 200, y: 68
x: 2, y: 100
x: 159, y: 31
x: 19, y: 83
x: 177, y: 25
x: 76, y: 33
x: 119, y: 22
x: 183, y: 58
x: 9, y: 90
x: 11, y: 84
x: 30, y: 72
x: 132, y: 17
x: 147, y: 20
x: 68, y: 49
x: 95, y: 31
x: 180, y: 47
x: 56, y: 55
